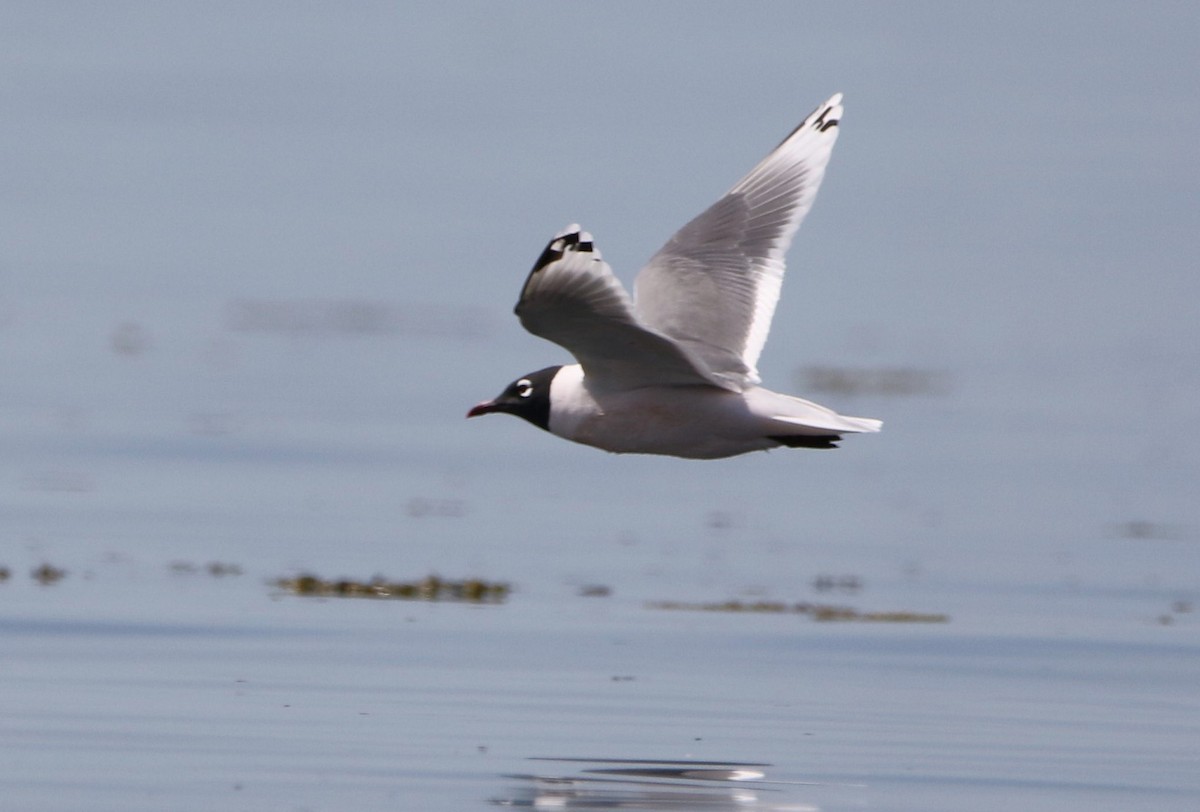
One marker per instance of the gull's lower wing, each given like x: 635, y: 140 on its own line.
x: 572, y: 298
x: 714, y: 286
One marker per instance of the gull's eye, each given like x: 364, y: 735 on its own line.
x: 524, y: 388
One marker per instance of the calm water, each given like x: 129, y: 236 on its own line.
x: 256, y: 263
x: 1066, y: 565
x: 131, y: 688
x: 1064, y: 675
x: 1062, y: 552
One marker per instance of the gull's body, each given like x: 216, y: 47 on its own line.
x: 675, y: 372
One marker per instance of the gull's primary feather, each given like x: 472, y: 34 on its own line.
x: 572, y: 298
x: 714, y: 286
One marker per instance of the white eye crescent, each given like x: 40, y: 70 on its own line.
x: 524, y: 388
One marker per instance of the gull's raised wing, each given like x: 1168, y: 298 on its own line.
x: 713, y: 287
x: 572, y: 298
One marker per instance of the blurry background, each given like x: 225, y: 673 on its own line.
x: 257, y: 260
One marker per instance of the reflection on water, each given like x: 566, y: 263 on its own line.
x: 648, y: 784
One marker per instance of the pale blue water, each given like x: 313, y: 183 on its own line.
x: 226, y: 696
x: 257, y: 263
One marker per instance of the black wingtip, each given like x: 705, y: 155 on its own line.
x: 821, y: 123
x: 573, y: 238
x: 819, y: 119
x: 552, y: 253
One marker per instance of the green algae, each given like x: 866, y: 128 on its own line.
x: 429, y: 588
x: 48, y: 574
x: 817, y: 611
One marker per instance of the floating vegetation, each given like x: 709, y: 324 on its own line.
x: 1179, y: 607
x: 48, y: 574
x: 356, y: 317
x: 1146, y: 530
x: 129, y: 339
x: 5, y: 574
x: 429, y: 588
x: 217, y: 569
x: 720, y: 520
x: 890, y: 381
x: 595, y: 591
x: 817, y: 611
x: 420, y: 507
x: 841, y: 583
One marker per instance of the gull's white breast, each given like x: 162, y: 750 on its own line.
x: 699, y: 422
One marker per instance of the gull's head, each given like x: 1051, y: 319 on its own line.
x: 528, y: 397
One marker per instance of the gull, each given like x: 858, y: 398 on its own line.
x: 673, y: 370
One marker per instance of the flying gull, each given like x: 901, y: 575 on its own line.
x: 673, y: 370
